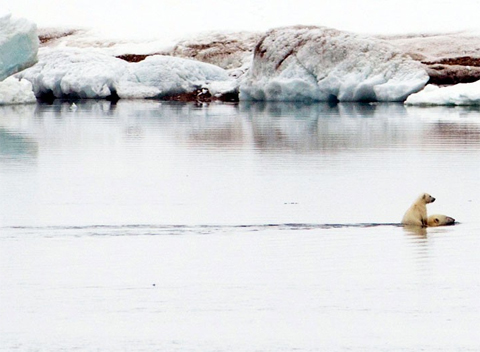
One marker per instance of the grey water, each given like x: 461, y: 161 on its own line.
x: 153, y: 226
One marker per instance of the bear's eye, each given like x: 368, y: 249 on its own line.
x: 437, y: 220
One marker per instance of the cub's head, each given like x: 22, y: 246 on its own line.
x: 440, y: 220
x: 427, y: 198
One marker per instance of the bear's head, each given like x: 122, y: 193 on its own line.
x: 427, y: 198
x: 440, y: 220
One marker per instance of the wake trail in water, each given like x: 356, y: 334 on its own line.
x: 158, y: 230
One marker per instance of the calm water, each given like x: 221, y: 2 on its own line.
x: 145, y: 226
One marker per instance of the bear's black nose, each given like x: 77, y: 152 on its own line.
x: 433, y: 199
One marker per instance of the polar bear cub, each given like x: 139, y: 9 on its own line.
x: 440, y: 220
x: 416, y: 215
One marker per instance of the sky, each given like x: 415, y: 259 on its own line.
x: 156, y: 18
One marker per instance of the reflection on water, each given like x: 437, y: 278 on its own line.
x: 15, y: 146
x: 221, y: 227
x: 252, y: 162
x: 418, y: 231
x: 270, y: 126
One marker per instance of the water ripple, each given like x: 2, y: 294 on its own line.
x: 155, y: 230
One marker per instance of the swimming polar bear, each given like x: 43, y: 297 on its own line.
x: 440, y: 220
x: 416, y: 215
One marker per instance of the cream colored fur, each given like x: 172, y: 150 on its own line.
x: 416, y: 215
x: 439, y: 220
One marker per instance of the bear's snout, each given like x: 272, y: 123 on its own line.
x: 433, y: 200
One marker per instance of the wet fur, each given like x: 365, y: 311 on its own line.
x: 416, y: 215
x: 440, y: 220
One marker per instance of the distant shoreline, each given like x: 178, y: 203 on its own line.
x: 448, y: 69
x: 448, y: 59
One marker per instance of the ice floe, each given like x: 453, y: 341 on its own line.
x: 18, y: 45
x: 459, y: 94
x: 173, y: 75
x: 14, y: 91
x: 87, y: 73
x: 300, y: 63
x: 18, y: 50
x: 75, y: 73
x: 321, y: 64
x: 449, y: 58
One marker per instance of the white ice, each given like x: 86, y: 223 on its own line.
x: 355, y: 68
x: 18, y: 50
x: 87, y: 73
x: 322, y: 64
x: 232, y: 51
x: 172, y: 75
x: 83, y: 73
x: 18, y: 45
x: 459, y: 94
x: 14, y: 91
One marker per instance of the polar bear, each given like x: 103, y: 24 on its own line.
x: 440, y: 220
x: 417, y: 213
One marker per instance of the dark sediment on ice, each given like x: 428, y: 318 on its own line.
x: 201, y: 95
x: 448, y: 71
x: 456, y: 61
x: 133, y: 57
x: 50, y: 34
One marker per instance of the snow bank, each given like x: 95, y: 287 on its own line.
x: 82, y: 38
x: 18, y: 45
x: 459, y: 94
x: 321, y: 64
x: 449, y: 58
x: 172, y: 75
x: 14, y: 91
x: 229, y: 50
x: 74, y: 73
x: 433, y: 47
x: 87, y: 73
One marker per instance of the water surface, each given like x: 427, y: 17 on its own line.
x: 147, y: 226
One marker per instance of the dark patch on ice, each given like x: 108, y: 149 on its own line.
x: 332, y: 100
x: 462, y: 61
x: 259, y: 50
x: 282, y: 60
x: 201, y: 95
x: 453, y: 70
x: 46, y: 97
x: 133, y: 57
x: 113, y: 97
x: 51, y: 34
